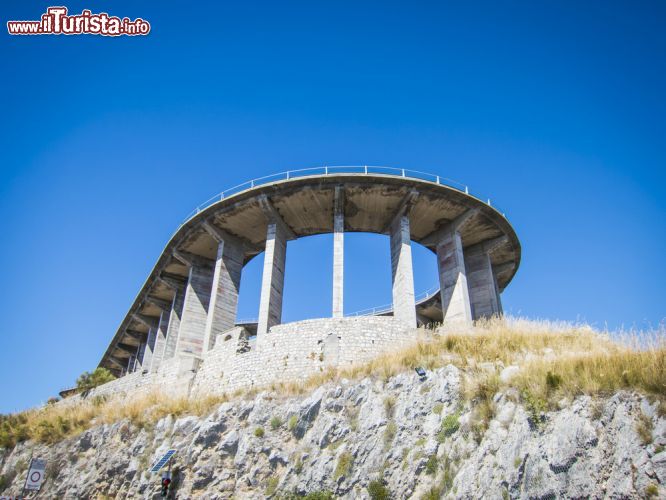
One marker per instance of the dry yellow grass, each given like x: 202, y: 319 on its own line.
x: 556, y: 360
x: 53, y: 423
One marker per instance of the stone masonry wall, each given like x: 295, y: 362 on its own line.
x: 295, y: 351
x: 288, y: 352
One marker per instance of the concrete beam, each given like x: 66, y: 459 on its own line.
x: 338, y: 252
x: 115, y: 362
x: 171, y: 280
x: 487, y: 246
x: 456, y: 225
x: 272, y: 281
x: 190, y: 259
x: 195, y: 310
x: 159, y: 303
x: 148, y: 321
x: 404, y: 306
x: 221, y: 235
x: 503, y: 267
x: 274, y: 217
x: 136, y: 335
x: 403, y: 209
x: 454, y: 293
x: 224, y: 291
x: 126, y: 349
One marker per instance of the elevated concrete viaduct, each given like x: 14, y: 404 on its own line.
x: 190, y: 297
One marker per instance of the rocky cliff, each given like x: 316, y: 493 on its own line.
x: 400, y: 438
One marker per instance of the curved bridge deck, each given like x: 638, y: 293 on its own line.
x: 190, y: 296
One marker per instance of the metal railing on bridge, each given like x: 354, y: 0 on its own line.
x: 332, y: 170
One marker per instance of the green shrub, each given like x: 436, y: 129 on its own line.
x: 437, y: 409
x: 651, y: 491
x: 389, y: 405
x: 344, y: 465
x: 378, y: 490
x: 298, y: 465
x: 534, y: 407
x: 259, y: 432
x: 99, y: 376
x: 271, y: 485
x: 553, y: 380
x: 313, y: 495
x: 434, y: 493
x: 6, y: 480
x: 291, y: 424
x: 447, y: 477
x: 644, y: 429
x: 389, y: 433
x: 431, y: 464
x: 13, y: 429
x: 276, y: 423
x: 319, y: 495
x: 450, y: 424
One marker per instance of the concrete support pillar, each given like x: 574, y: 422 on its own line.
x: 500, y: 309
x: 140, y: 350
x: 160, y: 341
x: 404, y: 307
x: 456, y: 307
x: 174, y: 322
x: 482, y: 285
x: 272, y: 281
x: 338, y: 253
x: 131, y: 363
x: 148, y: 350
x: 224, y: 292
x: 195, y: 309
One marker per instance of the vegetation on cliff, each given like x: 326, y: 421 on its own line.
x: 543, y: 362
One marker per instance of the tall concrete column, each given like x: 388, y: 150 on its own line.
x: 272, y: 281
x: 160, y: 341
x: 225, y: 289
x: 174, y: 321
x: 131, y: 363
x: 500, y: 309
x: 338, y: 253
x: 148, y: 350
x: 456, y: 307
x: 140, y: 350
x: 195, y: 309
x: 482, y: 285
x: 404, y: 307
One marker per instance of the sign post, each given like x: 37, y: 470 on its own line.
x: 165, y: 483
x: 35, y: 477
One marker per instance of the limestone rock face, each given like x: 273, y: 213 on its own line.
x: 416, y: 436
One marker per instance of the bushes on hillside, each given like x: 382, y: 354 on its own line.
x: 87, y: 380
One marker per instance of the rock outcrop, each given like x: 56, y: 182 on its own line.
x: 417, y: 437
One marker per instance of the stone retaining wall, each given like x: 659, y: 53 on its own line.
x: 288, y: 352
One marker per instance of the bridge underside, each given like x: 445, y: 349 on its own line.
x: 191, y: 295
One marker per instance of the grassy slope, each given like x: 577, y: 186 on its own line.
x: 556, y: 361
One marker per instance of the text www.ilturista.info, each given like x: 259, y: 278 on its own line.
x: 55, y: 21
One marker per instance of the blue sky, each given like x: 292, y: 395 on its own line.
x: 555, y: 111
